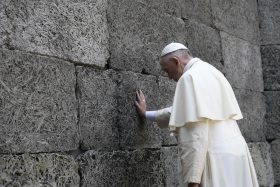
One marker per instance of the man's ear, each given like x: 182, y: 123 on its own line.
x: 175, y: 59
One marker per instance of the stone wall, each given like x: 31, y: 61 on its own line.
x: 269, y: 12
x: 69, y: 70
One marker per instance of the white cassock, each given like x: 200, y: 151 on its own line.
x: 212, y: 149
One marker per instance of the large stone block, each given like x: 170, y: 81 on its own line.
x: 98, y: 108
x: 68, y: 29
x: 242, y: 60
x: 272, y: 99
x: 205, y: 43
x: 269, y: 16
x: 129, y: 168
x: 275, y: 147
x: 137, y: 35
x: 198, y: 10
x: 166, y: 93
x: 261, y: 156
x: 237, y: 17
x: 252, y: 105
x: 271, y: 66
x: 38, y: 108
x: 38, y: 170
x: 134, y: 132
x: 171, y: 161
x: 100, y: 169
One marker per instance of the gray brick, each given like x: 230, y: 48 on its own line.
x: 49, y: 169
x: 137, y: 35
x: 98, y: 108
x: 238, y: 17
x: 269, y: 16
x: 275, y: 147
x: 38, y: 104
x: 69, y: 29
x: 198, y: 10
x: 171, y: 166
x: 272, y: 99
x: 205, y: 43
x: 121, y: 168
x: 271, y: 66
x: 242, y: 61
x: 252, y: 105
x: 166, y: 94
x: 135, y: 133
x: 261, y: 156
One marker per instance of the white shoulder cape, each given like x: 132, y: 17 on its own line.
x: 202, y: 93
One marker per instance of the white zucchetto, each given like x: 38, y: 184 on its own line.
x: 171, y: 48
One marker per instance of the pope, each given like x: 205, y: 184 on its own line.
x: 212, y: 150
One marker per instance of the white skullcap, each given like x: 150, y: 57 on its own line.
x: 171, y: 48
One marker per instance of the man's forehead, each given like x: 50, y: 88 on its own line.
x: 163, y: 60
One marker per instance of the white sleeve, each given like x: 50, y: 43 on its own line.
x: 193, y: 145
x: 162, y: 117
x: 150, y: 115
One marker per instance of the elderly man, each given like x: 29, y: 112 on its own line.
x: 212, y: 149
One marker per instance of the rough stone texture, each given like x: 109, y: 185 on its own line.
x: 198, y: 10
x: 252, y: 105
x: 238, y: 17
x: 98, y: 108
x: 135, y: 133
x: 261, y: 156
x: 38, y: 170
x: 275, y: 147
x: 69, y: 29
x: 37, y: 104
x: 269, y: 17
x: 171, y: 166
x: 205, y: 43
x: 137, y: 35
x: 129, y: 168
x: 272, y: 99
x: 166, y: 93
x: 242, y: 60
x: 271, y: 66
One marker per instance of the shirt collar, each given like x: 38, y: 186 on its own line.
x: 191, y: 63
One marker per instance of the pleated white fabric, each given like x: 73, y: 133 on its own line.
x: 202, y: 92
x: 215, y: 154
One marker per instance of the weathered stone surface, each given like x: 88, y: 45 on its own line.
x: 252, y: 106
x: 69, y: 29
x: 137, y: 35
x: 275, y: 147
x: 38, y: 170
x: 135, y: 133
x: 129, y: 168
x: 271, y: 66
x: 272, y: 99
x: 119, y: 168
x: 242, y: 61
x: 100, y: 169
x: 166, y: 94
x: 171, y: 161
x: 205, y: 43
x: 269, y: 17
x: 37, y: 104
x: 98, y: 108
x: 237, y: 17
x: 198, y: 10
x: 261, y: 156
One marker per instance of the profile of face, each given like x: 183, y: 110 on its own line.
x: 172, y: 66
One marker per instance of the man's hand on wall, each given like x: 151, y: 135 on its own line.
x: 140, y: 103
